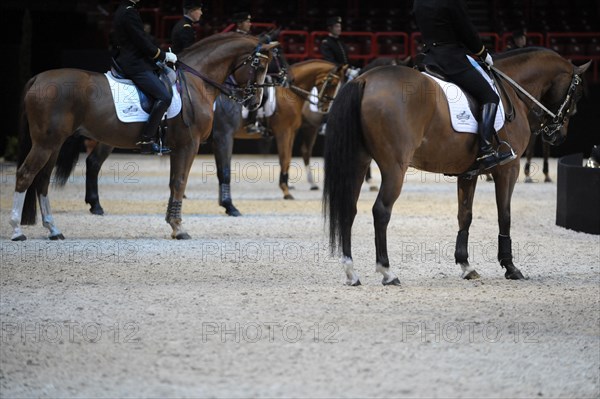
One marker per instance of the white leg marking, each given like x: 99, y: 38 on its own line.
x: 47, y: 219
x: 466, y: 269
x: 388, y: 275
x: 15, y: 214
x: 351, y: 276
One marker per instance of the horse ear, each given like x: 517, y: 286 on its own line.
x: 579, y: 70
x: 269, y: 46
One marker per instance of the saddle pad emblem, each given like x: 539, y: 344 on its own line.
x: 462, y: 117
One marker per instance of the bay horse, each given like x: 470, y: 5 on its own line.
x: 312, y: 121
x: 60, y: 103
x: 228, y: 124
x: 400, y: 118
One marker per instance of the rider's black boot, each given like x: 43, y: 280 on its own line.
x: 147, y: 143
x: 252, y: 126
x: 488, y: 157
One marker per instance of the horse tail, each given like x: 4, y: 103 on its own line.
x: 343, y: 144
x: 67, y: 159
x: 29, y: 214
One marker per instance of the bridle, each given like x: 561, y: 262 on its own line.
x: 233, y: 91
x: 549, y: 122
x: 322, y: 97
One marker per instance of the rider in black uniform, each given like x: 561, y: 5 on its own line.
x: 183, y: 34
x: 449, y: 36
x: 332, y: 47
x: 137, y: 56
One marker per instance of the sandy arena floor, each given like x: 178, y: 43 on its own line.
x: 255, y: 307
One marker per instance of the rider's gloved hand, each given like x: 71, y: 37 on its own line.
x: 170, y: 57
x: 351, y: 73
x: 486, y: 58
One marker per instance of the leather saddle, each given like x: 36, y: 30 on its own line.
x: 145, y: 101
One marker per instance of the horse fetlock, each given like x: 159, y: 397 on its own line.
x: 352, y: 278
x: 389, y: 278
x: 468, y: 271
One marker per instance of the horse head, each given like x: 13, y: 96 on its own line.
x: 561, y: 98
x: 252, y: 69
x: 328, y: 85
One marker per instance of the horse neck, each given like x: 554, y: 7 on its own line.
x: 535, y: 74
x: 307, y: 75
x: 217, y: 62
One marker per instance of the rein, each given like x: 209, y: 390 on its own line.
x: 558, y: 119
x: 233, y: 94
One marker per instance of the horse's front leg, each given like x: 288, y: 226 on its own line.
x: 466, y: 192
x: 181, y: 162
x: 505, y: 180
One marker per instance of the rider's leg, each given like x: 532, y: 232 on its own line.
x: 150, y: 84
x: 251, y: 123
x: 472, y: 82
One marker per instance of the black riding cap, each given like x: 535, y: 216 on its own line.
x: 191, y: 4
x: 333, y: 20
x: 239, y: 17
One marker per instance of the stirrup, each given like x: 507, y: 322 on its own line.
x: 253, y: 128
x: 150, y: 147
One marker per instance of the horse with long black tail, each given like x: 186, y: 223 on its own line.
x: 64, y: 102
x: 400, y: 118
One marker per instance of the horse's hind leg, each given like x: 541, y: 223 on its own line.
x: 466, y: 191
x: 43, y: 182
x: 391, y: 186
x: 309, y: 136
x: 26, y: 177
x: 93, y: 163
x: 223, y: 149
x: 15, y: 216
x: 352, y: 277
x: 546, y: 170
x: 528, y: 156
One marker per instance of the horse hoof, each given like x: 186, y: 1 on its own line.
x: 353, y: 284
x: 97, y: 210
x: 288, y: 197
x: 19, y: 238
x: 57, y: 237
x: 472, y: 275
x: 528, y: 179
x: 314, y: 188
x: 514, y: 275
x: 547, y: 180
x: 395, y: 281
x: 233, y: 212
x: 183, y: 236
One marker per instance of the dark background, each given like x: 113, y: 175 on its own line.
x: 74, y: 33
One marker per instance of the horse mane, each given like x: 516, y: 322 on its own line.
x: 520, y: 51
x: 213, y: 41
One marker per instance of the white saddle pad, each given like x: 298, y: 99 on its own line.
x: 127, y: 101
x: 462, y: 118
x: 268, y: 108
